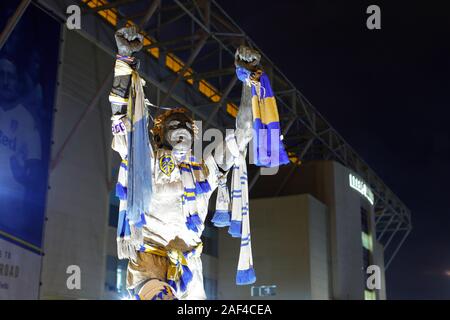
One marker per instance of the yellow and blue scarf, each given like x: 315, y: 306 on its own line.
x: 267, y: 145
x: 194, y: 184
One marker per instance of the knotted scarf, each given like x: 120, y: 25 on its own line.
x: 267, y: 145
x: 238, y: 221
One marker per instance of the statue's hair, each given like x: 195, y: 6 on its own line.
x: 157, y: 130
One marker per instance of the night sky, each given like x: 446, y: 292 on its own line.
x: 387, y: 93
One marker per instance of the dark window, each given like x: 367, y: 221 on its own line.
x: 365, y: 224
x: 115, y: 274
x: 367, y: 254
x: 367, y: 261
x: 210, y: 246
x: 113, y: 215
x: 210, y: 288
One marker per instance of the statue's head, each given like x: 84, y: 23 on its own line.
x: 174, y: 129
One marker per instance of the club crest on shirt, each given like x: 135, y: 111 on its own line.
x: 166, y: 164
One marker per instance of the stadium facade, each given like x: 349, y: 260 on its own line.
x: 315, y: 240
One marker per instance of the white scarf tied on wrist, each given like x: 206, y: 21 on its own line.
x: 239, y: 222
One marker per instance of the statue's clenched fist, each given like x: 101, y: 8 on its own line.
x: 128, y: 40
x: 247, y: 58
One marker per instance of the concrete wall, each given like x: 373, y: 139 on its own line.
x: 77, y: 206
x: 347, y: 250
x: 290, y: 249
x: 319, y: 242
x: 328, y: 181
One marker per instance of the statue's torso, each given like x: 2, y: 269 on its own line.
x: 166, y: 222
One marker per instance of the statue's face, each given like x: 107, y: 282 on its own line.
x: 9, y: 83
x: 178, y: 132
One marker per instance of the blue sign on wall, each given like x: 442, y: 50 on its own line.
x: 28, y: 68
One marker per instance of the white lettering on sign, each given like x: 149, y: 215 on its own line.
x: 263, y: 291
x: 361, y: 187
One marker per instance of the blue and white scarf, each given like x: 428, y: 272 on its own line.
x: 238, y: 220
x: 194, y: 185
x: 134, y: 187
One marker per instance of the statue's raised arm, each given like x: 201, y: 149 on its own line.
x: 249, y: 59
x: 131, y: 140
x: 259, y: 107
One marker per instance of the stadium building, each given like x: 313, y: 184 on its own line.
x: 316, y: 225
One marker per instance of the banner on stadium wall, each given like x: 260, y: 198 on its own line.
x: 28, y: 68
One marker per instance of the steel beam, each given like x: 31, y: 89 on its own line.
x: 149, y: 13
x: 166, y: 23
x: 188, y: 64
x: 103, y: 88
x: 161, y: 44
x: 221, y: 102
x: 386, y: 245
x: 288, y: 176
x: 397, y: 249
x: 12, y: 22
x: 212, y: 74
x: 113, y: 5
